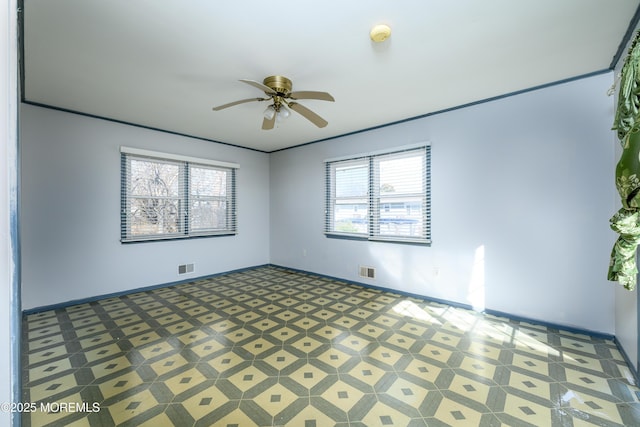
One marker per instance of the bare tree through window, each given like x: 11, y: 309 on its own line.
x: 163, y: 198
x: 155, y: 197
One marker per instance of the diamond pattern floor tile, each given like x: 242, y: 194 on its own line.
x: 269, y: 346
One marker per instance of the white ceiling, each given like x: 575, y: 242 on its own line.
x: 164, y: 64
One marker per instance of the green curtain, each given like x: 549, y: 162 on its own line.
x: 626, y: 222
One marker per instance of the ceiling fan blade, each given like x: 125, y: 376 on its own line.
x: 260, y: 86
x: 311, y: 94
x: 268, y: 124
x: 308, y: 114
x: 242, y: 101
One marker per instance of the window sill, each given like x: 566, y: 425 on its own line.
x: 381, y: 239
x: 170, y: 238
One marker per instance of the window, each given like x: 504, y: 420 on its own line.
x: 382, y: 196
x: 167, y: 196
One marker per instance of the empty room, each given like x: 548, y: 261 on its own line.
x: 346, y: 213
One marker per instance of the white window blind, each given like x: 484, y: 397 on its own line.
x: 210, y: 201
x: 348, y: 211
x: 175, y: 197
x: 380, y: 196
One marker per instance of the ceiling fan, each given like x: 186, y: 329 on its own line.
x: 278, y: 90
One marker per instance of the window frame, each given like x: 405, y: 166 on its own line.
x: 184, y: 198
x: 374, y: 195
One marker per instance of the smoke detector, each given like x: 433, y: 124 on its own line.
x: 380, y: 33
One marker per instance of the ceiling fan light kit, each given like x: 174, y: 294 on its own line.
x: 278, y: 90
x: 282, y: 113
x: 269, y: 112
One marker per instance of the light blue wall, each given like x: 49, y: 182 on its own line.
x: 9, y: 242
x: 522, y: 195
x: 70, y: 213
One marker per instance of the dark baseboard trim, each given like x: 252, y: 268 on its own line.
x: 552, y: 326
x: 636, y: 376
x: 66, y: 304
x: 378, y: 288
x: 508, y: 316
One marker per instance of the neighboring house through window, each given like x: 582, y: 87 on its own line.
x: 380, y: 196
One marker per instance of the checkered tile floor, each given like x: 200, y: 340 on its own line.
x: 268, y: 347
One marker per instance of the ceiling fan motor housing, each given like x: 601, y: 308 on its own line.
x: 278, y: 90
x: 279, y: 84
